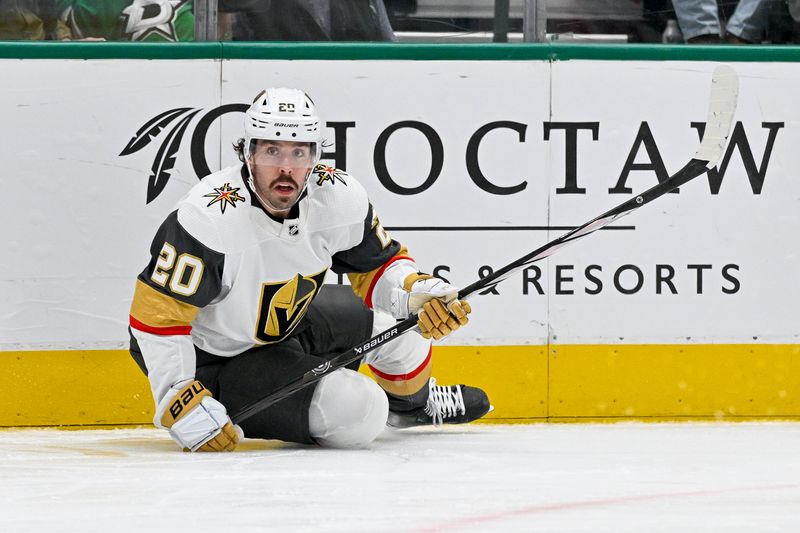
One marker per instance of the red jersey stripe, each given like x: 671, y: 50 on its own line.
x: 168, y: 330
x: 368, y: 299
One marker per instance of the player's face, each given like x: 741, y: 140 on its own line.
x: 279, y: 171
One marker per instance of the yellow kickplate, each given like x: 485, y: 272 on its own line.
x: 524, y: 383
x: 675, y: 381
x: 69, y: 387
x: 514, y: 377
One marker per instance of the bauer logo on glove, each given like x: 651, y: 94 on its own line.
x: 196, y: 421
x: 194, y: 390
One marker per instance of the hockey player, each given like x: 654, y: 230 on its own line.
x: 232, y: 305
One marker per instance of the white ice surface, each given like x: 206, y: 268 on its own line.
x: 742, y: 477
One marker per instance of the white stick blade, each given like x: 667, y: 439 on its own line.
x: 721, y: 108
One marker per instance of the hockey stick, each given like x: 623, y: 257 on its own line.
x: 722, y: 105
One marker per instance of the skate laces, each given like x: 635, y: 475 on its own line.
x: 444, y: 402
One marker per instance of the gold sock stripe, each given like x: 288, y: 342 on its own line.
x: 406, y: 387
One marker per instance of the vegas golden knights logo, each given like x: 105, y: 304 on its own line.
x: 283, y: 304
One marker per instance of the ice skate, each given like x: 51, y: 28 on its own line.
x: 447, y: 404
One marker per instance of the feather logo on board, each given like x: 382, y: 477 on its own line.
x: 178, y: 120
x: 167, y: 152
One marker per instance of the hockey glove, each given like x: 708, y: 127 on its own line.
x: 198, y: 422
x: 434, y: 302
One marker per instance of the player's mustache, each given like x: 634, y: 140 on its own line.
x: 283, y: 178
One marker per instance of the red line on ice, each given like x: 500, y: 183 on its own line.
x: 535, y: 509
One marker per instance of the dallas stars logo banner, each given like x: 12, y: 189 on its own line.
x: 128, y: 20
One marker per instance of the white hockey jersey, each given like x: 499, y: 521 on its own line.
x: 225, y: 276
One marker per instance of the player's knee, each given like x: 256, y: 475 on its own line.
x: 348, y: 410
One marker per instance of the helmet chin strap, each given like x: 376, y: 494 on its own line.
x: 265, y: 203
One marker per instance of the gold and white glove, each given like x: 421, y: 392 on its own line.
x: 435, y: 303
x: 196, y: 421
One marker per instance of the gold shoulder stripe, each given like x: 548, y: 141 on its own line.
x: 158, y: 310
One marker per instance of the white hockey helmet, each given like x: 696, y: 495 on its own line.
x: 283, y: 114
